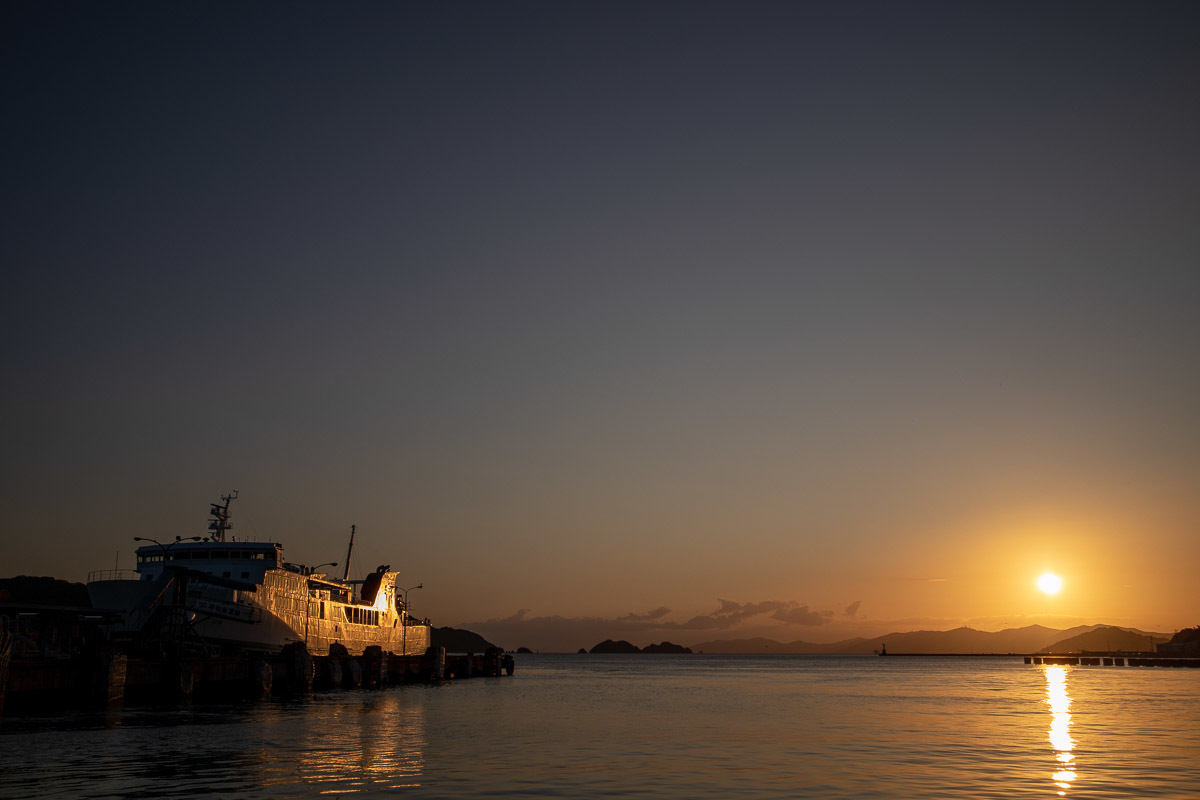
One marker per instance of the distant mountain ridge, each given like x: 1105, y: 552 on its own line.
x: 1108, y: 638
x: 959, y: 641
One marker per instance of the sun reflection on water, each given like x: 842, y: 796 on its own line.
x: 1060, y: 728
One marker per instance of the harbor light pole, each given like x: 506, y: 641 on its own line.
x: 177, y: 620
x: 404, y: 645
x: 311, y: 570
x: 167, y: 547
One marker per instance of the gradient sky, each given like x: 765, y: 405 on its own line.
x: 643, y: 320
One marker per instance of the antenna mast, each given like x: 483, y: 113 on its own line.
x: 220, y: 514
x: 349, y: 550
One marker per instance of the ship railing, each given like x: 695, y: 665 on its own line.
x: 113, y: 575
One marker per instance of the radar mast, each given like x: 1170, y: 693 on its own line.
x: 220, y: 517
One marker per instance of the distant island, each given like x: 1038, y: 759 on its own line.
x: 622, y: 646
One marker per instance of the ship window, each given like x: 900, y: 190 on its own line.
x: 219, y: 554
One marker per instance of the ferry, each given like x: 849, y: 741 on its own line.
x: 218, y: 594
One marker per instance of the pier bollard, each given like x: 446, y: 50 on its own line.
x: 491, y: 662
x: 183, y: 679
x: 439, y: 663
x: 262, y: 677
x: 374, y: 667
x: 299, y: 664
x: 331, y: 673
x: 352, y: 674
x: 109, y: 679
x: 509, y: 664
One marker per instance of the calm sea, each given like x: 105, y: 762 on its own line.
x: 701, y: 726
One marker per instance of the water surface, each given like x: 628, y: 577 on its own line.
x: 703, y: 726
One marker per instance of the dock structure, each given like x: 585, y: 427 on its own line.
x: 1113, y: 660
x: 105, y: 678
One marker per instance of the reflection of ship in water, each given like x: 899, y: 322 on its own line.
x: 1060, y: 738
x: 371, y: 749
x: 216, y: 591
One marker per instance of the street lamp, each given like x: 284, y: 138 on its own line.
x: 311, y: 570
x: 181, y: 583
x: 404, y: 619
x: 167, y: 547
x: 406, y: 591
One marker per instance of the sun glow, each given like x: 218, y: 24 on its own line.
x: 1049, y: 583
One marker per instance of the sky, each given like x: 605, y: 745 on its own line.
x: 651, y: 321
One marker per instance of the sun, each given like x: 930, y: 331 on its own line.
x: 1049, y: 583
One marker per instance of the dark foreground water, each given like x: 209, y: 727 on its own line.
x: 697, y: 726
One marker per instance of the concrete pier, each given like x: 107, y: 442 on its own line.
x: 104, y: 680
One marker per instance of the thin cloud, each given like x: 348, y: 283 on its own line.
x: 731, y: 613
x: 852, y: 609
x: 657, y: 613
x: 801, y: 615
x: 567, y: 634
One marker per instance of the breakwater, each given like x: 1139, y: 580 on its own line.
x: 1114, y: 661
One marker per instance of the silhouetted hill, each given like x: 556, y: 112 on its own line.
x: 1186, y: 636
x: 457, y: 640
x: 1184, y: 643
x: 609, y: 646
x: 666, y: 647
x: 1029, y: 639
x: 1107, y: 638
x: 43, y: 591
